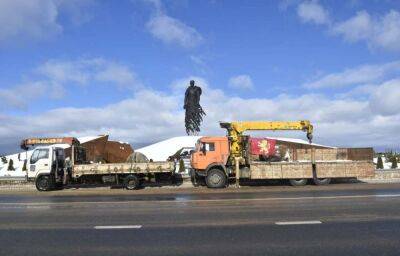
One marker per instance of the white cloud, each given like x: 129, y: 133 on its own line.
x: 37, y: 19
x: 385, y: 99
x: 198, y: 60
x: 115, y: 73
x: 52, y: 79
x: 171, y: 30
x: 64, y: 71
x: 76, y: 10
x: 313, y: 12
x: 84, y: 71
x: 241, y: 82
x: 356, y: 28
x: 157, y: 4
x: 19, y: 96
x: 148, y: 114
x: 378, y: 32
x: 285, y: 4
x: 354, y: 76
x: 151, y: 116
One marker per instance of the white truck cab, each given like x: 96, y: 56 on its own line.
x: 47, y: 167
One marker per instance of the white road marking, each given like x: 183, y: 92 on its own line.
x: 306, y: 222
x: 27, y: 207
x: 208, y: 200
x: 119, y: 227
x: 38, y: 207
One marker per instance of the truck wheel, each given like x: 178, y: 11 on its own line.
x: 131, y: 182
x: 298, y: 182
x: 321, y: 182
x: 216, y: 178
x: 43, y: 183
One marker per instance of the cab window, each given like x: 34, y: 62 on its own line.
x: 209, y: 146
x: 39, y: 154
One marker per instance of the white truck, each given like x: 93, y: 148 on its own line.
x: 50, y: 167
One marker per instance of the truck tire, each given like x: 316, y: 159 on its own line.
x: 131, y: 182
x: 321, y: 182
x: 298, y: 182
x: 44, y: 183
x: 216, y: 178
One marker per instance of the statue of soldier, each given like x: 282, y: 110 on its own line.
x: 193, y: 111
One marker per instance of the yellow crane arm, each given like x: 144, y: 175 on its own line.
x: 304, y: 125
x: 236, y: 129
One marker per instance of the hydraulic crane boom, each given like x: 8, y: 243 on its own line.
x: 236, y: 129
x: 25, y: 144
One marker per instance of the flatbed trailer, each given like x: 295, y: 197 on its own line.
x: 308, y: 170
x: 122, y: 168
x: 318, y: 164
x: 130, y: 175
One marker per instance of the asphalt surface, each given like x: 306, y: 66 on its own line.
x: 343, y: 219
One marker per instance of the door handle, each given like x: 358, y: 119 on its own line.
x: 46, y: 165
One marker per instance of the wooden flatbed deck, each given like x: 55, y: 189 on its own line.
x: 298, y: 170
x: 123, y: 168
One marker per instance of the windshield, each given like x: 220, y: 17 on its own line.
x: 38, y: 154
x: 198, y: 146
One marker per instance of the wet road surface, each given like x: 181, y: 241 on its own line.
x: 342, y: 219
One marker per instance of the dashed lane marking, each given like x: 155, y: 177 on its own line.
x: 306, y: 222
x: 119, y: 227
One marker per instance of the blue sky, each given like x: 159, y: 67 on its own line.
x: 75, y: 68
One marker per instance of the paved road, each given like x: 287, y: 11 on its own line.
x: 344, y: 219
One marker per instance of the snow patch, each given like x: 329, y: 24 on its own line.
x: 160, y: 151
x: 298, y: 141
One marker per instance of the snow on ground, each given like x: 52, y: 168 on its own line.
x: 386, y: 165
x: 160, y: 151
x: 17, y: 163
x: 298, y: 141
x: 89, y: 138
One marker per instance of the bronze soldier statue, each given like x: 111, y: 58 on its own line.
x: 193, y: 111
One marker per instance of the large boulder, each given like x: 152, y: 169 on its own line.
x: 137, y: 157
